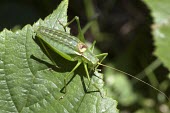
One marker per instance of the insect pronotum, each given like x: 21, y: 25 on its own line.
x: 74, y: 49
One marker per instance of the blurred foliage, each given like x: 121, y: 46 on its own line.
x: 130, y: 31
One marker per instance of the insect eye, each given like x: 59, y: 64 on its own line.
x: 82, y: 47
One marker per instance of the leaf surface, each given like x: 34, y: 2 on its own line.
x: 30, y: 83
x: 161, y: 29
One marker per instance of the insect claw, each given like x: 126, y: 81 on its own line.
x: 62, y: 97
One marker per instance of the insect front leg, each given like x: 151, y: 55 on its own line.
x: 104, y: 56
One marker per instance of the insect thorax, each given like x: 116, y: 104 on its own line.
x: 90, y: 58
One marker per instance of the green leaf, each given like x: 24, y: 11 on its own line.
x: 162, y: 41
x: 159, y: 10
x: 31, y: 84
x: 161, y: 29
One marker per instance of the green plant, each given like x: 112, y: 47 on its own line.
x: 30, y: 82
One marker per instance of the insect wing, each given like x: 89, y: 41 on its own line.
x: 61, y: 42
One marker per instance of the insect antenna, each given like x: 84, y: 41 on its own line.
x: 136, y: 79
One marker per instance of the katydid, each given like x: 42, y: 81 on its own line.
x: 74, y: 49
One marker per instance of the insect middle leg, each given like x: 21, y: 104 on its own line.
x: 88, y: 77
x: 65, y: 79
x: 100, y: 55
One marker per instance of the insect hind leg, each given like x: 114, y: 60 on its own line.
x: 80, y: 33
x: 65, y: 79
x: 47, y: 53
